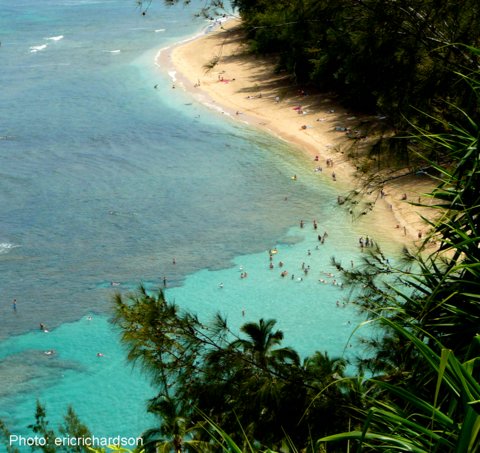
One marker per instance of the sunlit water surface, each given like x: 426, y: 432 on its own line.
x: 105, y: 179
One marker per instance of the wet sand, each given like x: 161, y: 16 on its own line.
x: 217, y: 70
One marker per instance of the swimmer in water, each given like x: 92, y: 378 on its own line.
x: 99, y: 354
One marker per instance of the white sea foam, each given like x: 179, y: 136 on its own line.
x: 218, y: 109
x: 172, y: 75
x: 55, y: 38
x: 114, y: 51
x: 159, y: 53
x: 164, y: 49
x: 5, y: 247
x: 214, y: 23
x: 34, y: 49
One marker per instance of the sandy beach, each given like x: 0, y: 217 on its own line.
x: 217, y: 70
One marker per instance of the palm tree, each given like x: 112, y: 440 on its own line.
x: 262, y: 345
x: 321, y: 366
x: 176, y: 434
x: 403, y: 420
x: 250, y: 381
x: 432, y: 402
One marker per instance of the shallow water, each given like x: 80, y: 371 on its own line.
x: 104, y: 178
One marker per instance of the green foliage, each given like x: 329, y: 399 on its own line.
x: 209, y: 9
x: 112, y: 449
x: 71, y: 428
x: 229, y: 378
x: 425, y: 393
x: 74, y: 428
x: 41, y: 428
x: 5, y: 438
x: 405, y: 421
x: 380, y: 55
x: 219, y: 390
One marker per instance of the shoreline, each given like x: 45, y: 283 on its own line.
x: 246, y: 89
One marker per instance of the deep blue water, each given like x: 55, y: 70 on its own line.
x: 105, y: 179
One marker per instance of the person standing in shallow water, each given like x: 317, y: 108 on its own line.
x: 14, y: 305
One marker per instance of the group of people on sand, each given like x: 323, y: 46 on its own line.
x: 224, y: 80
x: 318, y: 168
x: 329, y: 163
x: 256, y: 96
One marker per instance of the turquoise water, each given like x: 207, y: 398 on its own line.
x: 99, y: 388
x: 105, y: 179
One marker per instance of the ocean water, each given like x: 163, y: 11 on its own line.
x: 105, y: 179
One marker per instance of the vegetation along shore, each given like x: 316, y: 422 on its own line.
x: 377, y: 93
x: 219, y: 70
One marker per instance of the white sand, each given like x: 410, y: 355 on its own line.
x: 246, y: 88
